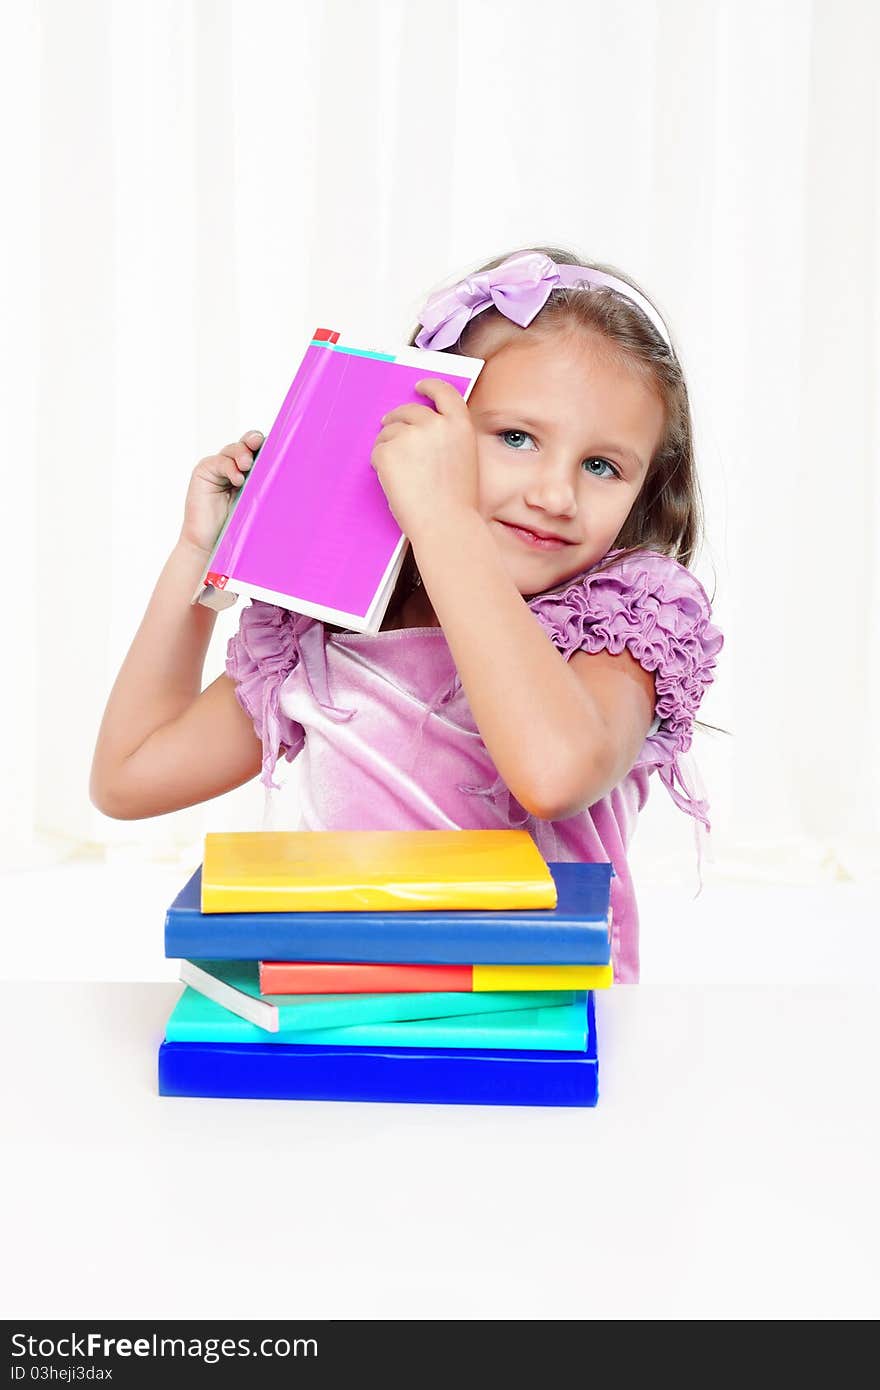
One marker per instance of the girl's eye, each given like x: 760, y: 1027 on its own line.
x: 605, y: 464
x: 507, y: 435
x: 520, y: 434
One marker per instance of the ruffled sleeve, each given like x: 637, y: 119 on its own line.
x: 259, y: 658
x: 659, y: 611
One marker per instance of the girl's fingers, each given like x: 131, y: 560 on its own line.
x: 442, y: 393
x: 231, y: 464
x: 237, y: 452
x: 389, y: 432
x: 445, y: 397
x: 408, y: 414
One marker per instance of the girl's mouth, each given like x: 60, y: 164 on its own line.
x: 533, y: 541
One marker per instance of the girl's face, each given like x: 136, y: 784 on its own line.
x: 564, y: 438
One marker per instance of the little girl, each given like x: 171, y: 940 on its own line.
x: 545, y: 649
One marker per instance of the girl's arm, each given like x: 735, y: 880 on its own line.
x: 163, y: 742
x: 561, y: 734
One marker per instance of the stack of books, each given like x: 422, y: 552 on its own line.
x: 333, y: 965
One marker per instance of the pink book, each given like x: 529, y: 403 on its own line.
x: 310, y: 528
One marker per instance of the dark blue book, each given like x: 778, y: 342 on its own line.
x: 575, y: 932
x: 425, y: 1075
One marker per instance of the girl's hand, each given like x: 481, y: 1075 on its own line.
x: 427, y: 459
x: 212, y: 488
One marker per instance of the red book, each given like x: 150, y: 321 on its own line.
x: 310, y: 977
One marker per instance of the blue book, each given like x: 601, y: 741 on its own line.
x: 441, y: 1075
x: 574, y: 932
x: 561, y: 1027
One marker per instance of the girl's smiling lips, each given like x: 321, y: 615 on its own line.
x: 536, y: 540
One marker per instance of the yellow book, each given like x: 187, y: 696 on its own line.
x: 373, y: 870
x: 509, y: 977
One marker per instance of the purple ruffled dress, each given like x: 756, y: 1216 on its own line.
x: 381, y: 736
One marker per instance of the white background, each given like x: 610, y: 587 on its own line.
x: 193, y: 186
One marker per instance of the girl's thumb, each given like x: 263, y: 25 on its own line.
x: 254, y: 436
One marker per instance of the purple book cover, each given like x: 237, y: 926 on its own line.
x: 311, y: 529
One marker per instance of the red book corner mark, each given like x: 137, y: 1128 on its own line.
x: 325, y: 335
x: 218, y: 580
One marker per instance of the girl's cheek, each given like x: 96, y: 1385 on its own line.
x: 484, y: 474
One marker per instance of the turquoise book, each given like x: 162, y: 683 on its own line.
x: 235, y: 984
x: 195, y: 1018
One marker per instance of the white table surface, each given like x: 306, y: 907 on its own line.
x: 729, y: 1170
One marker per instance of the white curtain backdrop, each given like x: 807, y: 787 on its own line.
x: 190, y: 188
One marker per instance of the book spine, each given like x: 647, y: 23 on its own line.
x: 299, y: 977
x: 336, y: 938
x: 303, y: 896
x: 529, y: 977
x: 289, y: 977
x: 568, y: 1035
x: 316, y: 360
x: 402, y: 1075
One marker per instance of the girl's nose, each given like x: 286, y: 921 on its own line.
x: 552, y: 491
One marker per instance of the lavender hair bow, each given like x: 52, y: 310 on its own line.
x: 519, y: 287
